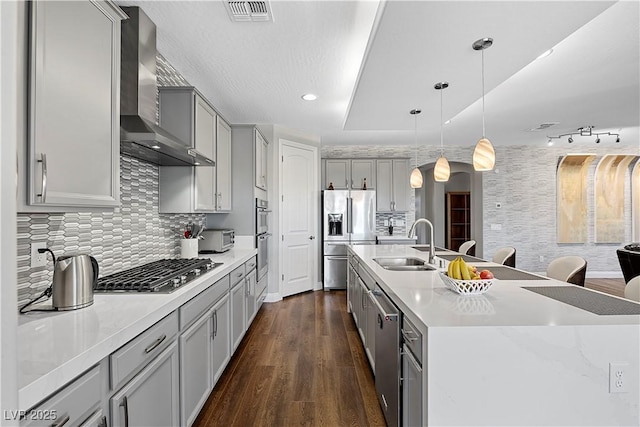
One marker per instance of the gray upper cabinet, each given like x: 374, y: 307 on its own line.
x: 185, y: 189
x: 73, y: 153
x: 392, y: 185
x: 347, y: 174
x: 261, y: 147
x: 337, y: 172
x: 363, y: 170
x: 223, y: 166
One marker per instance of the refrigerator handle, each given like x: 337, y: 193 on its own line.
x: 349, y: 215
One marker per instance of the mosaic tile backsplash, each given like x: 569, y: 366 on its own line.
x: 132, y: 235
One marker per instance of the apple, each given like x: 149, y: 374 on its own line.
x: 486, y: 274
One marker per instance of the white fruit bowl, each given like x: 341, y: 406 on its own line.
x: 466, y: 287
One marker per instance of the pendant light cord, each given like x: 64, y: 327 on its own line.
x: 441, y: 127
x: 483, y: 131
x: 415, y: 133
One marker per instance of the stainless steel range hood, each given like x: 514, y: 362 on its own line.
x: 140, y: 136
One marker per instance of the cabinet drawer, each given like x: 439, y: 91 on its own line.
x: 236, y: 275
x: 261, y: 286
x: 192, y: 309
x: 250, y: 265
x: 412, y: 338
x: 132, y: 356
x: 74, y: 403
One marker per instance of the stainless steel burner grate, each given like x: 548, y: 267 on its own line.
x: 164, y: 276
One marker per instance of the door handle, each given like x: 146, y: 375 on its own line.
x: 125, y: 405
x: 312, y: 237
x: 43, y: 194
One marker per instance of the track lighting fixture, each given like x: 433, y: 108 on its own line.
x: 585, y: 131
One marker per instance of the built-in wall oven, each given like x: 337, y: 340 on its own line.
x: 262, y: 236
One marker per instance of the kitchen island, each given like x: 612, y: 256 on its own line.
x: 511, y: 356
x: 55, y: 348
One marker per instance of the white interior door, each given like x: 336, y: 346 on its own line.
x: 299, y: 216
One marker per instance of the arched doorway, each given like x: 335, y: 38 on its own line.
x: 431, y: 201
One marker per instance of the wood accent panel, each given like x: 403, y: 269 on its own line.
x: 572, y: 198
x: 609, y: 198
x: 635, y: 202
x: 300, y: 363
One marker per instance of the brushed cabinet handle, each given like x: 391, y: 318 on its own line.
x: 125, y: 405
x: 407, y: 338
x: 43, y: 194
x: 62, y: 422
x: 215, y: 323
x: 155, y: 344
x: 103, y: 421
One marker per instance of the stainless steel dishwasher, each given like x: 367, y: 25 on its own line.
x: 387, y: 358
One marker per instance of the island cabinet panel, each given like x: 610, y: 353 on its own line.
x: 151, y: 398
x: 74, y: 88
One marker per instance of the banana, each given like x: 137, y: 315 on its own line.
x: 464, y: 270
x: 450, y: 269
x: 457, y: 273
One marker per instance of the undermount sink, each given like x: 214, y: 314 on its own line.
x: 403, y: 264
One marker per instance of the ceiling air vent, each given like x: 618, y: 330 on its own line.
x: 247, y: 11
x: 542, y: 126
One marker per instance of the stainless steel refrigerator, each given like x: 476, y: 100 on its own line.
x: 348, y: 218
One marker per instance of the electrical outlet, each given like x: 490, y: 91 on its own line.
x: 541, y: 258
x: 619, y: 377
x: 399, y: 222
x: 38, y: 259
x: 386, y: 222
x: 496, y: 227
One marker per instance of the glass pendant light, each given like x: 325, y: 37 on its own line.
x: 416, y: 176
x: 484, y: 157
x: 442, y: 170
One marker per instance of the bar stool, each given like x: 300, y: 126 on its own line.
x: 571, y: 269
x: 505, y: 256
x: 466, y: 246
x: 632, y: 289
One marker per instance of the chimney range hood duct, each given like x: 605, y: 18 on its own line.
x: 140, y: 136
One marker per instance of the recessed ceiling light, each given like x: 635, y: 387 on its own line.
x: 155, y: 147
x: 550, y: 143
x: 545, y: 54
x: 309, y: 97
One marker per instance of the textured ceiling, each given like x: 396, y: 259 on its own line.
x: 370, y: 63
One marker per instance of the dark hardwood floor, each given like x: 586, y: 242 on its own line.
x: 301, y: 363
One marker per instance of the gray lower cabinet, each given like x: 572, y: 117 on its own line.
x: 238, y: 313
x: 252, y: 297
x: 98, y: 419
x: 76, y: 404
x: 73, y: 155
x: 363, y: 299
x: 151, y: 398
x: 221, y: 337
x: 196, y: 376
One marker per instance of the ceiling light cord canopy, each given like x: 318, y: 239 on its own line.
x: 442, y: 170
x: 585, y: 131
x: 416, y: 176
x: 484, y: 156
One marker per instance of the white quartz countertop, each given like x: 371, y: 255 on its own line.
x: 56, y: 347
x: 424, y: 295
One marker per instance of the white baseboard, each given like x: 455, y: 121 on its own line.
x: 318, y: 286
x: 274, y: 297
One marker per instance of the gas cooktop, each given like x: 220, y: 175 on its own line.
x: 162, y: 276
